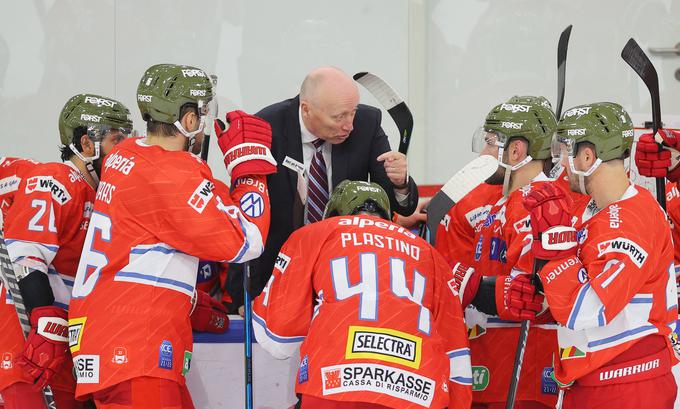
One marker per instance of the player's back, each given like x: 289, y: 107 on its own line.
x: 385, y: 317
x: 157, y: 212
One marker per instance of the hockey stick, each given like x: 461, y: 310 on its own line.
x: 562, y: 46
x: 248, y: 338
x: 9, y: 278
x: 205, y: 146
x: 639, y: 62
x: 460, y: 184
x: 395, y: 106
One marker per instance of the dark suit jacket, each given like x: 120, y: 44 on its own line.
x: 354, y: 159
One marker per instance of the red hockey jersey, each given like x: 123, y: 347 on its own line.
x: 456, y: 232
x: 386, y: 327
x: 44, y: 231
x: 673, y: 210
x: 156, y: 214
x: 503, y: 243
x: 620, y: 288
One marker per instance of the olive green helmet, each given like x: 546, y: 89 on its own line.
x: 96, y: 113
x: 353, y: 196
x: 165, y: 88
x: 531, y: 121
x: 531, y: 99
x: 604, y: 124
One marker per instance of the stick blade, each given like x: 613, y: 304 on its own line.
x: 562, y: 47
x: 636, y: 58
x: 460, y: 184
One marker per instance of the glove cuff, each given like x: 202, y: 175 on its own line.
x: 247, y: 151
x: 50, y: 322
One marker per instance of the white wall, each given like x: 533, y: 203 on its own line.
x: 451, y: 59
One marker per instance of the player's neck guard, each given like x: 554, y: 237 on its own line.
x: 88, y: 161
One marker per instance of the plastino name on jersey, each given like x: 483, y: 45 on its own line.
x: 378, y: 378
x: 381, y: 242
x: 48, y: 184
x: 120, y: 163
x: 624, y: 246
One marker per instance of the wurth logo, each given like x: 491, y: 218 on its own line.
x: 201, y: 196
x: 47, y: 184
x: 624, y: 246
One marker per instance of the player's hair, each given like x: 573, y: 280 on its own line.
x: 163, y: 129
x: 66, y: 152
x: 586, y: 144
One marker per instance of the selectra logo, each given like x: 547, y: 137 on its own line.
x: 383, y: 344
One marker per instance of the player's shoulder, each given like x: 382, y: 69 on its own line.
x: 134, y: 156
x: 63, y: 180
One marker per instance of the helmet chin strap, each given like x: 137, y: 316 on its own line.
x: 581, y: 175
x: 191, y: 136
x: 509, y: 169
x: 87, y: 160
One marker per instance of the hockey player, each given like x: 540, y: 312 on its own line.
x: 611, y: 286
x: 158, y: 211
x: 44, y: 232
x: 522, y: 133
x: 384, y: 330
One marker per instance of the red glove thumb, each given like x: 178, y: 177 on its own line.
x: 209, y: 315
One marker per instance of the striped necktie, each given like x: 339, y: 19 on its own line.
x: 317, y: 188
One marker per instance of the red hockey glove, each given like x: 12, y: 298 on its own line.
x: 516, y: 298
x: 209, y: 315
x: 246, y: 145
x: 465, y: 283
x: 554, y: 237
x: 653, y: 162
x: 46, y: 348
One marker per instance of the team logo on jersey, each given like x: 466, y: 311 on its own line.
x: 622, y: 245
x: 480, y: 378
x: 6, y: 361
x: 119, y: 356
x: 75, y: 332
x: 384, y: 345
x: 165, y: 355
x: 252, y: 204
x: 282, y: 262
x: 47, y: 184
x: 582, y: 235
x: 86, y: 368
x: 201, y: 196
x: 382, y: 379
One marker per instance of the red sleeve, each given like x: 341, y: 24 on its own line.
x: 283, y: 312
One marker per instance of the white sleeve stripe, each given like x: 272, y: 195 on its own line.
x: 279, y: 347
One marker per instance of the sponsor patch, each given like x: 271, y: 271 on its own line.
x: 548, y: 384
x: 382, y: 379
x: 9, y: 184
x: 446, y: 221
x: 282, y: 262
x: 201, y: 196
x: 498, y: 249
x: 303, y: 375
x: 624, y: 246
x: 86, y: 368
x: 384, y: 345
x: 76, y: 326
x: 523, y: 226
x: 478, y: 248
x: 120, y: 356
x: 480, y: 378
x: 475, y: 216
x: 186, y: 363
x: 614, y: 219
x: 47, y: 184
x: 100, y: 102
x: 582, y: 235
x: 252, y: 204
x: 514, y: 108
x: 165, y: 355
x: 576, y: 111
